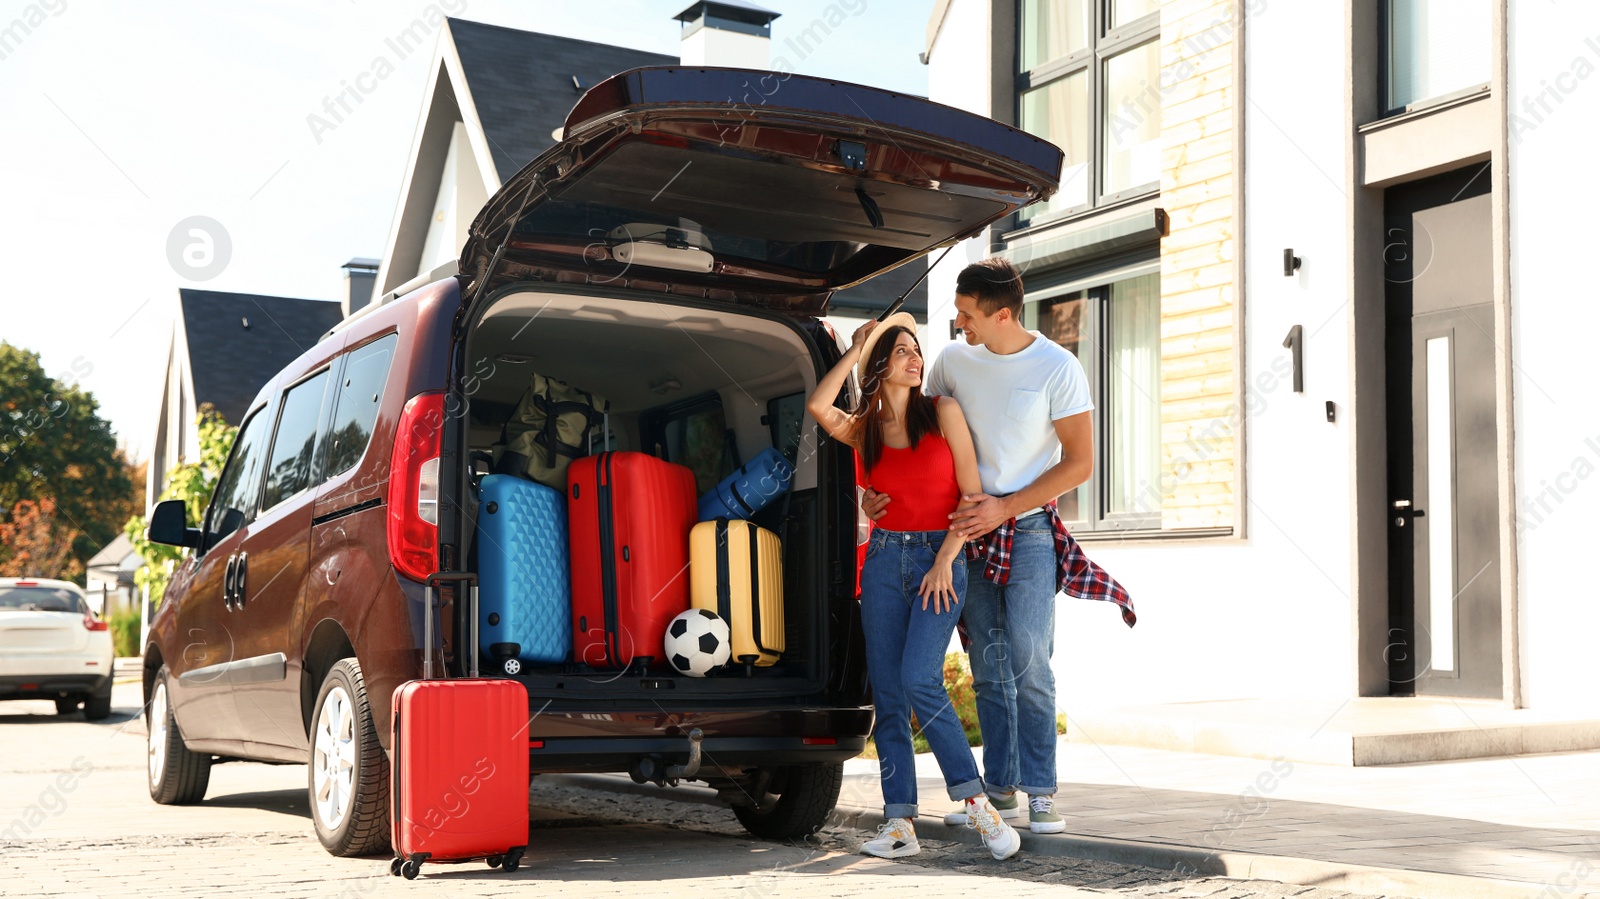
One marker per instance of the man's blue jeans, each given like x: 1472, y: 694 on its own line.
x: 1013, y: 636
x: 905, y: 660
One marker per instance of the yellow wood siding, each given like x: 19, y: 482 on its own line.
x: 1199, y: 419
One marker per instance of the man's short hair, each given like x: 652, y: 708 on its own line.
x: 995, y: 283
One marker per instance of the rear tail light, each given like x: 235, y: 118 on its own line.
x: 413, y: 522
x: 91, y: 623
x: 819, y: 741
x: 26, y: 584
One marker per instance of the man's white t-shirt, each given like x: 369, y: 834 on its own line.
x: 1011, y: 404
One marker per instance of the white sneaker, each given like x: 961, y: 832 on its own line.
x: 1002, y: 841
x: 896, y: 839
x: 1008, y: 808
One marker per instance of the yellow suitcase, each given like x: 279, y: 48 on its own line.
x: 736, y: 571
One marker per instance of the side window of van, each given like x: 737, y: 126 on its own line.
x: 234, y: 501
x: 356, y: 401
x: 292, y: 467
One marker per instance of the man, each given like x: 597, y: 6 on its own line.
x: 1029, y: 409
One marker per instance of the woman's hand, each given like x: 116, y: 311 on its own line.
x: 939, y: 585
x: 862, y: 332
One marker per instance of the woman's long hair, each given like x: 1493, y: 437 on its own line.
x: 921, y: 419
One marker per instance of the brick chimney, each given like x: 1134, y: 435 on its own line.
x: 729, y: 33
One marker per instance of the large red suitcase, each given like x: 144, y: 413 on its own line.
x: 629, y: 516
x: 459, y: 778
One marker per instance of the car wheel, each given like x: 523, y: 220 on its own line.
x: 177, y: 776
x: 66, y: 706
x: 349, y: 778
x: 798, y: 802
x: 97, y: 706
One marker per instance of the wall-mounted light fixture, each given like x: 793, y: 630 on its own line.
x: 1291, y: 263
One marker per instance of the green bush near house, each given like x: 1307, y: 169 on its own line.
x: 124, y: 626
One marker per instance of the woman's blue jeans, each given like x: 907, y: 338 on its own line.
x: 905, y: 659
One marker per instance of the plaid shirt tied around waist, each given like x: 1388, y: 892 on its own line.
x: 1076, y: 575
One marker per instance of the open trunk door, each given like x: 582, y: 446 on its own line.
x: 750, y: 187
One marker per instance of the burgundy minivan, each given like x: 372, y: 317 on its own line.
x: 672, y: 254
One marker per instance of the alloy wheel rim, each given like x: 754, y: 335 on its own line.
x: 333, y: 759
x: 157, y: 740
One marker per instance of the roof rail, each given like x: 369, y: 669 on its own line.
x: 448, y: 270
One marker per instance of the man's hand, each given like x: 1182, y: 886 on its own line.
x: 972, y: 523
x: 873, y: 503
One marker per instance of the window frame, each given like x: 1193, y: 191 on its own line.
x: 1386, y: 73
x: 333, y: 369
x: 341, y: 363
x: 253, y: 511
x: 1097, y: 337
x: 1104, y: 44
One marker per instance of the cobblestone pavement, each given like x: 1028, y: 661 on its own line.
x: 1093, y: 876
x: 75, y: 820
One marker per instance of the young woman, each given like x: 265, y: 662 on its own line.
x: 918, y: 450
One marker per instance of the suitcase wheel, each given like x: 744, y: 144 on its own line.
x: 512, y: 859
x: 394, y: 866
x: 410, y: 869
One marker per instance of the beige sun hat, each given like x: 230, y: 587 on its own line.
x: 899, y: 319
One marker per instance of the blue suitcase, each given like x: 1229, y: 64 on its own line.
x: 750, y: 489
x: 524, y: 587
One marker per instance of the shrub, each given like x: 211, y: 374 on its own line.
x: 124, y: 626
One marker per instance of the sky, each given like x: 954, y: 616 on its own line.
x: 121, y: 122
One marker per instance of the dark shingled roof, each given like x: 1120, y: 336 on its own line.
x: 230, y: 362
x: 521, y: 83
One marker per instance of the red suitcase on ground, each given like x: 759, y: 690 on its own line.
x: 629, y: 516
x: 459, y: 787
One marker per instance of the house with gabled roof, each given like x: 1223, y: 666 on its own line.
x: 224, y: 347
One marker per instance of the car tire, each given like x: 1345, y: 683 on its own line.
x: 805, y: 796
x: 98, y: 706
x: 347, y: 781
x: 66, y: 706
x: 176, y: 775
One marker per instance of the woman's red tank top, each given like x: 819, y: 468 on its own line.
x: 921, y: 484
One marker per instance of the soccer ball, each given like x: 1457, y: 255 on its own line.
x: 697, y: 641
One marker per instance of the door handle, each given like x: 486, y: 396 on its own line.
x: 227, y: 581
x: 1404, y: 511
x: 241, y: 573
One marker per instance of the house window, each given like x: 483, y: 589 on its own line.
x: 1436, y: 49
x: 1089, y: 82
x: 1115, y: 331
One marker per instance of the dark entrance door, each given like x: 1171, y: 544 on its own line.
x: 1444, y: 579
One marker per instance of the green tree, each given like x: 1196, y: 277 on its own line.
x: 191, y: 482
x: 55, y: 446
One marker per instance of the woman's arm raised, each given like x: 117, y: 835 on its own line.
x: 839, y: 424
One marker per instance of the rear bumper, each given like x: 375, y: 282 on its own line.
x: 52, y: 686
x: 726, y: 753
x: 91, y: 660
x: 732, y: 740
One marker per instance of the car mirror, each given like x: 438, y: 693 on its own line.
x: 169, y: 524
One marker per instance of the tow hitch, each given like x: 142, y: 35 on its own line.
x: 651, y: 770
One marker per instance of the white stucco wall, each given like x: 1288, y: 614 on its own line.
x: 1267, y: 614
x: 1554, y: 102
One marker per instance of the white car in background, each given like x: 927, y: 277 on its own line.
x: 53, y: 647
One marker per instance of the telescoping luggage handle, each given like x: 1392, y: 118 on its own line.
x: 461, y: 577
